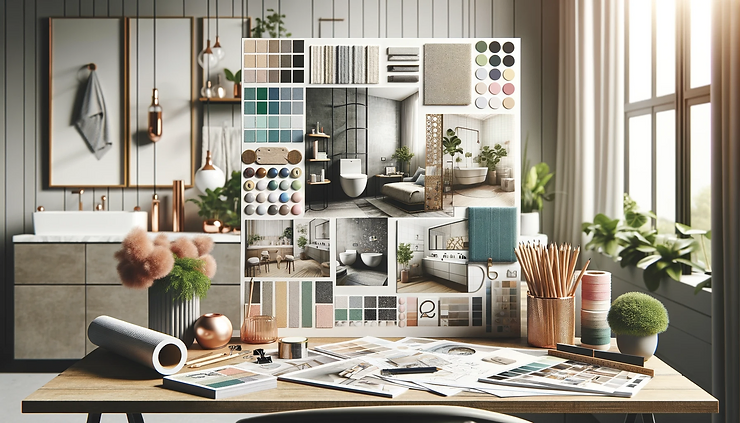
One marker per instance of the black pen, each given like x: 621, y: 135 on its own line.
x: 408, y: 370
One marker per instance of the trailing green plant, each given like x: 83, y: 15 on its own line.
x: 490, y: 157
x: 233, y: 77
x: 186, y: 280
x: 272, y: 25
x: 637, y: 314
x: 403, y: 155
x: 404, y: 254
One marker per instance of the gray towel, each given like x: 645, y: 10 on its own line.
x: 92, y: 118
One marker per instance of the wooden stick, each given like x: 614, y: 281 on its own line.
x: 580, y: 276
x: 205, y: 357
x: 249, y: 304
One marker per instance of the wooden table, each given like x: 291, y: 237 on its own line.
x: 104, y: 382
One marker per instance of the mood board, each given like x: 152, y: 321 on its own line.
x: 378, y: 185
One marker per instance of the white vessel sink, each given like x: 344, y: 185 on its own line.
x: 88, y: 222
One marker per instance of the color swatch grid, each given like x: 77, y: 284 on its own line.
x: 356, y: 311
x: 505, y: 307
x: 274, y: 61
x: 273, y: 114
x: 273, y: 190
x: 495, y: 75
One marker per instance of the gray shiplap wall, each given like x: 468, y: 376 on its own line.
x: 24, y: 68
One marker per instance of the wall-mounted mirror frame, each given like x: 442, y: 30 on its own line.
x: 440, y: 234
x: 72, y: 49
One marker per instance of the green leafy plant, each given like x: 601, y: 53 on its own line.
x: 665, y: 259
x: 211, y: 205
x: 272, y: 25
x: 233, y: 77
x: 490, y: 157
x: 637, y: 314
x: 222, y: 203
x: 186, y: 279
x: 451, y: 145
x: 288, y: 234
x: 302, y: 241
x: 404, y: 254
x: 251, y: 239
x: 534, y: 188
x: 403, y: 155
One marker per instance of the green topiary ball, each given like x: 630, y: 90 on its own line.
x: 637, y: 314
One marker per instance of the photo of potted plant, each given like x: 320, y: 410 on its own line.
x: 404, y: 156
x: 534, y: 193
x: 490, y: 158
x: 451, y: 146
x: 637, y: 319
x: 236, y: 78
x: 301, y: 242
x: 403, y: 257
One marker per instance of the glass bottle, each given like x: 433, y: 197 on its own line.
x: 155, y: 118
x: 219, y: 90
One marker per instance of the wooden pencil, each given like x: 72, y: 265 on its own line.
x: 249, y: 304
x: 580, y: 276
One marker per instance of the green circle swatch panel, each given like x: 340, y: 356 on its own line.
x: 480, y: 59
x: 481, y: 46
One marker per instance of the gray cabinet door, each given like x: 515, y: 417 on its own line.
x: 49, y: 322
x: 100, y: 264
x: 223, y: 299
x: 42, y: 263
x: 130, y: 305
x: 227, y: 263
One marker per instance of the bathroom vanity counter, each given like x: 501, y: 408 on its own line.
x: 454, y: 270
x: 318, y: 253
x: 229, y: 238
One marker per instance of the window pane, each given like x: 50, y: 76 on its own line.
x: 665, y: 171
x: 640, y: 161
x: 665, y: 47
x: 701, y: 195
x: 701, y: 43
x: 640, y: 50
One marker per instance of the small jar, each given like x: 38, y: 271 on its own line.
x: 260, y: 329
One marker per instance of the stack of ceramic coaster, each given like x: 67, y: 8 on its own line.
x: 596, y: 289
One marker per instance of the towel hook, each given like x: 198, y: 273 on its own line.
x: 494, y: 274
x: 92, y: 66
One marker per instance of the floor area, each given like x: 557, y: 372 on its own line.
x: 308, y: 268
x: 428, y: 285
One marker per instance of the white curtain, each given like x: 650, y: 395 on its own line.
x: 725, y: 94
x: 225, y: 145
x: 590, y: 144
x: 410, y: 132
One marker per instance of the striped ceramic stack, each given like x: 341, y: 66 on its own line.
x: 596, y: 297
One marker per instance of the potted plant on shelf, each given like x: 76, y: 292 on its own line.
x: 403, y: 155
x: 219, y: 208
x: 403, y: 257
x: 490, y: 157
x: 534, y: 193
x: 637, y: 319
x: 236, y: 78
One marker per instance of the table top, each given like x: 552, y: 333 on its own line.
x: 104, y: 382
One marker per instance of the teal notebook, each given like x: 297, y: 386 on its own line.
x: 493, y: 234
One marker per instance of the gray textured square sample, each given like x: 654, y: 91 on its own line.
x: 447, y: 74
x: 371, y: 302
x: 355, y: 302
x: 267, y: 298
x: 386, y: 302
x: 324, y: 292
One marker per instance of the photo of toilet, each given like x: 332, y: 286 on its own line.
x: 362, y: 256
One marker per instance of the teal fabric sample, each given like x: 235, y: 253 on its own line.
x: 493, y: 234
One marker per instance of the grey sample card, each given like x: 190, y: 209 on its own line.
x: 447, y: 74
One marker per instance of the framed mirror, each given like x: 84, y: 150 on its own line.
x: 450, y: 236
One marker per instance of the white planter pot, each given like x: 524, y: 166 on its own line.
x: 530, y: 224
x: 173, y: 317
x: 638, y: 345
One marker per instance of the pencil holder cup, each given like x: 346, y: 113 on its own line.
x: 260, y: 329
x: 551, y: 321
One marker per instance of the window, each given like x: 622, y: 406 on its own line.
x: 667, y: 110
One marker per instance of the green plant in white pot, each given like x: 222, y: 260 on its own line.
x: 403, y: 257
x: 637, y: 319
x: 490, y: 157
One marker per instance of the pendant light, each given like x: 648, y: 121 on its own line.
x: 206, y: 57
x: 217, y: 50
x: 209, y: 176
x: 154, y: 128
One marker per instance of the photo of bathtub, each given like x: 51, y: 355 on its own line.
x: 469, y: 175
x: 362, y: 252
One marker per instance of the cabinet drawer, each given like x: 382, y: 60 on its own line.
x: 441, y: 265
x: 49, y: 264
x: 100, y: 264
x: 458, y: 269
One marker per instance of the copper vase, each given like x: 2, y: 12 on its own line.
x: 213, y: 330
x: 237, y: 90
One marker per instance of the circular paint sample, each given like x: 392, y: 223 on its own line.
x: 249, y: 156
x: 509, y: 61
x: 480, y: 87
x: 494, y: 103
x: 261, y: 197
x: 508, y: 89
x: 249, y: 198
x: 494, y: 46
x: 272, y: 210
x: 296, y: 210
x: 249, y: 172
x: 296, y: 172
x: 508, y: 103
x: 294, y: 157
x: 296, y: 197
x: 495, y: 74
x: 480, y: 102
x: 249, y: 185
x: 284, y: 172
x: 495, y: 60
x: 494, y: 88
x: 250, y: 209
x: 481, y: 59
x: 508, y: 47
x: 284, y: 210
x: 261, y: 172
x: 284, y: 197
x: 284, y: 185
x: 272, y: 173
x: 261, y: 210
x: 481, y: 46
x: 509, y: 74
x: 273, y: 197
x: 480, y: 73
x: 296, y: 185
x: 272, y: 185
x: 261, y: 185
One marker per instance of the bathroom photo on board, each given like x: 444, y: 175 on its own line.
x: 362, y: 252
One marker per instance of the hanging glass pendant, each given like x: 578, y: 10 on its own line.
x: 217, y: 50
x: 206, y: 57
x: 209, y: 176
x: 154, y: 129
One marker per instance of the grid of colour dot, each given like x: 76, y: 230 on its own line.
x: 496, y: 78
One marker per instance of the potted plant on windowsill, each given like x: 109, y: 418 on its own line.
x: 637, y: 319
x: 403, y: 257
x: 490, y: 157
x: 534, y: 193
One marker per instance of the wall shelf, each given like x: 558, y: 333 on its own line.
x: 319, y: 160
x: 324, y: 182
x: 221, y: 100
x: 318, y: 135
